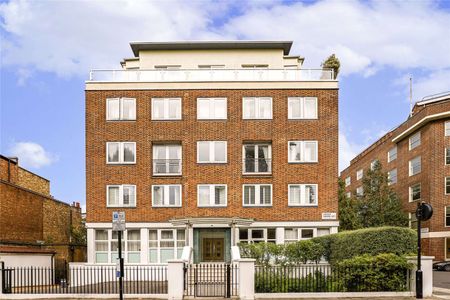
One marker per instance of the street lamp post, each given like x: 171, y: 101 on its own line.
x: 423, y: 213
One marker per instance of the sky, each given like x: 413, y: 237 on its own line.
x: 48, y: 47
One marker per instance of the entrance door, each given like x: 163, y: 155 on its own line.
x: 213, y: 249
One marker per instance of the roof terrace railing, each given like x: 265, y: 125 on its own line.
x: 219, y: 75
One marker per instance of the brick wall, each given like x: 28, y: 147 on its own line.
x: 188, y: 131
x: 434, y: 170
x: 33, y: 182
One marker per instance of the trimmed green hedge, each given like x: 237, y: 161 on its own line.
x: 373, y: 241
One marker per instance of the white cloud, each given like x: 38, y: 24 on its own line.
x: 32, y: 155
x: 70, y: 37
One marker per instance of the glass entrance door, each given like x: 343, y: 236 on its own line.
x: 213, y: 249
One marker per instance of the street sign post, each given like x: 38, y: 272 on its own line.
x: 118, y: 224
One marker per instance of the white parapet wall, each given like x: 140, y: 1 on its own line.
x: 81, y: 274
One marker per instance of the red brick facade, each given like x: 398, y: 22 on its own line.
x: 433, y: 173
x: 235, y: 131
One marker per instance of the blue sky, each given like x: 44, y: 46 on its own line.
x: 48, y: 47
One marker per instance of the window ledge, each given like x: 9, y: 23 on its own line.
x: 256, y: 206
x: 167, y: 175
x: 303, y: 162
x: 166, y: 206
x: 120, y: 206
x: 303, y: 205
x: 120, y: 164
x: 212, y: 206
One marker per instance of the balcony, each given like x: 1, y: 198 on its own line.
x: 257, y: 166
x: 208, y: 75
x: 166, y: 167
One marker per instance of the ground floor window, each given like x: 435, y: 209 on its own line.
x: 165, y: 244
x: 447, y: 248
x: 101, y: 246
x: 295, y: 234
x: 257, y: 235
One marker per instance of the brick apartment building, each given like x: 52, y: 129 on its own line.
x: 31, y: 220
x: 209, y: 144
x: 416, y: 156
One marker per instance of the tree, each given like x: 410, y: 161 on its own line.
x: 332, y: 62
x: 348, y: 210
x: 378, y: 206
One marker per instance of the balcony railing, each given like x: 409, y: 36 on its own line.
x: 167, y: 167
x: 257, y: 166
x: 199, y: 75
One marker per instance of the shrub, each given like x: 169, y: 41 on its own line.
x: 373, y: 241
x: 383, y: 272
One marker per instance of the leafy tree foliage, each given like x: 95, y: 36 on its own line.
x: 348, y: 210
x: 332, y: 62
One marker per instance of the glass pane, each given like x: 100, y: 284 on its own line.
x: 101, y: 258
x: 128, y: 152
x: 294, y: 194
x: 179, y: 252
x: 203, y: 152
x: 310, y: 111
x: 307, y: 233
x: 264, y: 192
x: 220, y: 108
x: 203, y: 109
x: 134, y: 235
x: 113, y: 195
x: 129, y: 195
x: 249, y: 108
x: 101, y: 246
x: 167, y: 244
x: 129, y: 109
x: 113, y: 109
x: 263, y: 159
x: 167, y: 234
x: 158, y: 109
x: 250, y: 158
x: 310, y: 194
x: 265, y: 108
x: 113, y: 152
x: 257, y: 233
x: 310, y: 151
x: 243, y: 234
x: 271, y: 234
x: 153, y: 235
x: 134, y: 258
x: 174, y: 195
x: 158, y: 195
x: 249, y: 194
x: 181, y: 235
x: 294, y: 151
x: 220, y: 195
x: 290, y: 234
x: 174, y: 152
x: 167, y: 254
x: 219, y: 151
x: 203, y: 195
x: 153, y: 256
x: 101, y: 235
x: 294, y: 108
x: 174, y: 108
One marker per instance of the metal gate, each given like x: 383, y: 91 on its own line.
x: 211, y: 280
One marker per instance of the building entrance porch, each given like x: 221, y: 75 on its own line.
x: 212, y: 245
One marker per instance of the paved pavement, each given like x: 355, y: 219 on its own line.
x: 441, y: 279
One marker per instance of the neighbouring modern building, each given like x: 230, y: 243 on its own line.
x: 34, y: 226
x: 208, y: 144
x: 416, y: 156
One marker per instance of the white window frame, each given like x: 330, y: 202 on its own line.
x: 445, y: 215
x: 257, y: 195
x: 391, y: 157
x: 410, y: 163
x: 158, y: 240
x: 447, y: 131
x: 360, y: 194
x: 120, y: 99
x: 390, y: 181
x: 121, y: 187
x: 166, y: 109
x: 348, y: 181
x: 250, y: 239
x: 268, y: 161
x: 121, y: 153
x: 445, y: 185
x: 302, y: 152
x: 372, y: 164
x: 445, y: 156
x: 212, y: 103
x: 104, y: 252
x: 166, y: 195
x: 257, y: 104
x: 299, y: 231
x: 415, y: 143
x: 303, y: 201
x: 359, y: 174
x: 348, y: 194
x: 301, y: 102
x: 212, y: 195
x: 410, y: 192
x: 166, y: 158
x: 410, y: 221
x: 212, y: 148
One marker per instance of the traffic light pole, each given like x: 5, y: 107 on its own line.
x: 419, y: 275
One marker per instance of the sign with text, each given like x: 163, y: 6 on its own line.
x: 118, y: 221
x: 329, y: 216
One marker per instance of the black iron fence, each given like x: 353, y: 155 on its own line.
x: 327, y: 278
x: 84, y: 280
x: 211, y: 280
